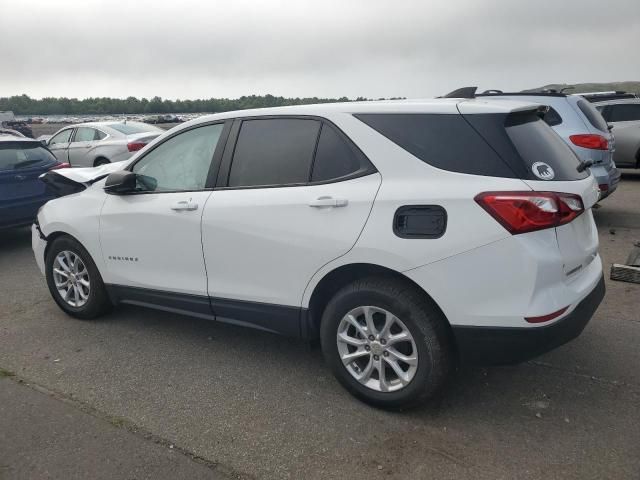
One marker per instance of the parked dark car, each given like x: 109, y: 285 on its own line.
x: 19, y: 126
x: 22, y: 193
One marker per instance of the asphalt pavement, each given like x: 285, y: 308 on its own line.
x: 196, y: 399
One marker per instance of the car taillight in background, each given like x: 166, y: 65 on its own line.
x: 591, y: 141
x: 521, y: 212
x: 135, y: 146
x: 58, y: 166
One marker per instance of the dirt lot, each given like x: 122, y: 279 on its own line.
x: 252, y: 405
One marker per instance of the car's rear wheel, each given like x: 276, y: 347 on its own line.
x: 100, y: 161
x: 74, y: 281
x: 386, y: 342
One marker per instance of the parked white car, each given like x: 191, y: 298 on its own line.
x: 97, y: 143
x: 405, y: 235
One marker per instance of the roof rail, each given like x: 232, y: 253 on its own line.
x: 464, y: 92
x: 603, y: 96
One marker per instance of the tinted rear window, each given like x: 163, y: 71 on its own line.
x: 593, y: 115
x: 14, y: 155
x: 496, y: 144
x: 274, y: 152
x: 444, y: 141
x: 335, y: 157
x: 539, y: 146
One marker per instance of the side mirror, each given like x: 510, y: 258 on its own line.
x: 120, y: 183
x: 610, y: 127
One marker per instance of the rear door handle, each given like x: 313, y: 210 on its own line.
x: 328, y: 201
x: 184, y: 205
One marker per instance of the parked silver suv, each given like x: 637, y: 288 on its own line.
x: 621, y: 110
x: 581, y: 126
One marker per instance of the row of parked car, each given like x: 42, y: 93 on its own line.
x: 602, y: 128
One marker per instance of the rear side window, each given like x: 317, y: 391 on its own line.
x: 335, y: 157
x: 552, y: 117
x: 274, y: 152
x: 540, y: 147
x: 444, y: 141
x: 85, y: 134
x: 624, y: 112
x: 593, y: 115
x: 15, y: 155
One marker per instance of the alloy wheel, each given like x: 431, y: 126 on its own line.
x: 71, y: 278
x: 377, y: 349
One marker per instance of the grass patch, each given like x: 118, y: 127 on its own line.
x: 6, y: 373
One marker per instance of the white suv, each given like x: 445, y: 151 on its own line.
x: 405, y: 235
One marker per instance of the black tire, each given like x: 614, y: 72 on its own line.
x: 98, y: 302
x: 100, y: 161
x: 423, y: 319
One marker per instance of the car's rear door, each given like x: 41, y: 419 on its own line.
x: 151, y: 239
x: 294, y: 194
x: 83, y: 140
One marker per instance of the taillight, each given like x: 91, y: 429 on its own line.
x: 521, y: 212
x: 592, y: 141
x: 135, y: 146
x: 58, y: 166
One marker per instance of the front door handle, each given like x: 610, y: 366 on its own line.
x: 184, y: 205
x: 328, y: 201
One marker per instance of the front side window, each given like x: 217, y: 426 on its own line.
x: 624, y: 112
x: 274, y: 152
x: 180, y: 163
x: 62, y: 137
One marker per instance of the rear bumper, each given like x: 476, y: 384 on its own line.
x: 609, y: 177
x: 509, y: 345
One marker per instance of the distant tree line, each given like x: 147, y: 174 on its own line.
x: 25, y: 105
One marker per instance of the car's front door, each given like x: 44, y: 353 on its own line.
x: 286, y: 209
x: 151, y: 239
x: 59, y: 144
x: 81, y: 143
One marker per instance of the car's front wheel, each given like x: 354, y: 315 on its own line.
x: 74, y: 281
x: 386, y: 342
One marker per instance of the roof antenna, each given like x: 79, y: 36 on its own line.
x: 464, y: 92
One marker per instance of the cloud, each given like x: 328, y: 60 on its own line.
x: 373, y: 48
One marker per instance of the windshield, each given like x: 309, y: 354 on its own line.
x: 15, y: 155
x: 131, y: 128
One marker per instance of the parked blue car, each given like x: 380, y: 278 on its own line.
x: 22, y: 193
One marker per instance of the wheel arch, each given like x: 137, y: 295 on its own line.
x: 98, y: 158
x: 337, y: 278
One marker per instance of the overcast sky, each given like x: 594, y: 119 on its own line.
x: 326, y: 48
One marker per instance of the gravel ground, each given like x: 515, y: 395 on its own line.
x: 260, y: 406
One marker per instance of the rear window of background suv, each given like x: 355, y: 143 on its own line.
x: 498, y: 145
